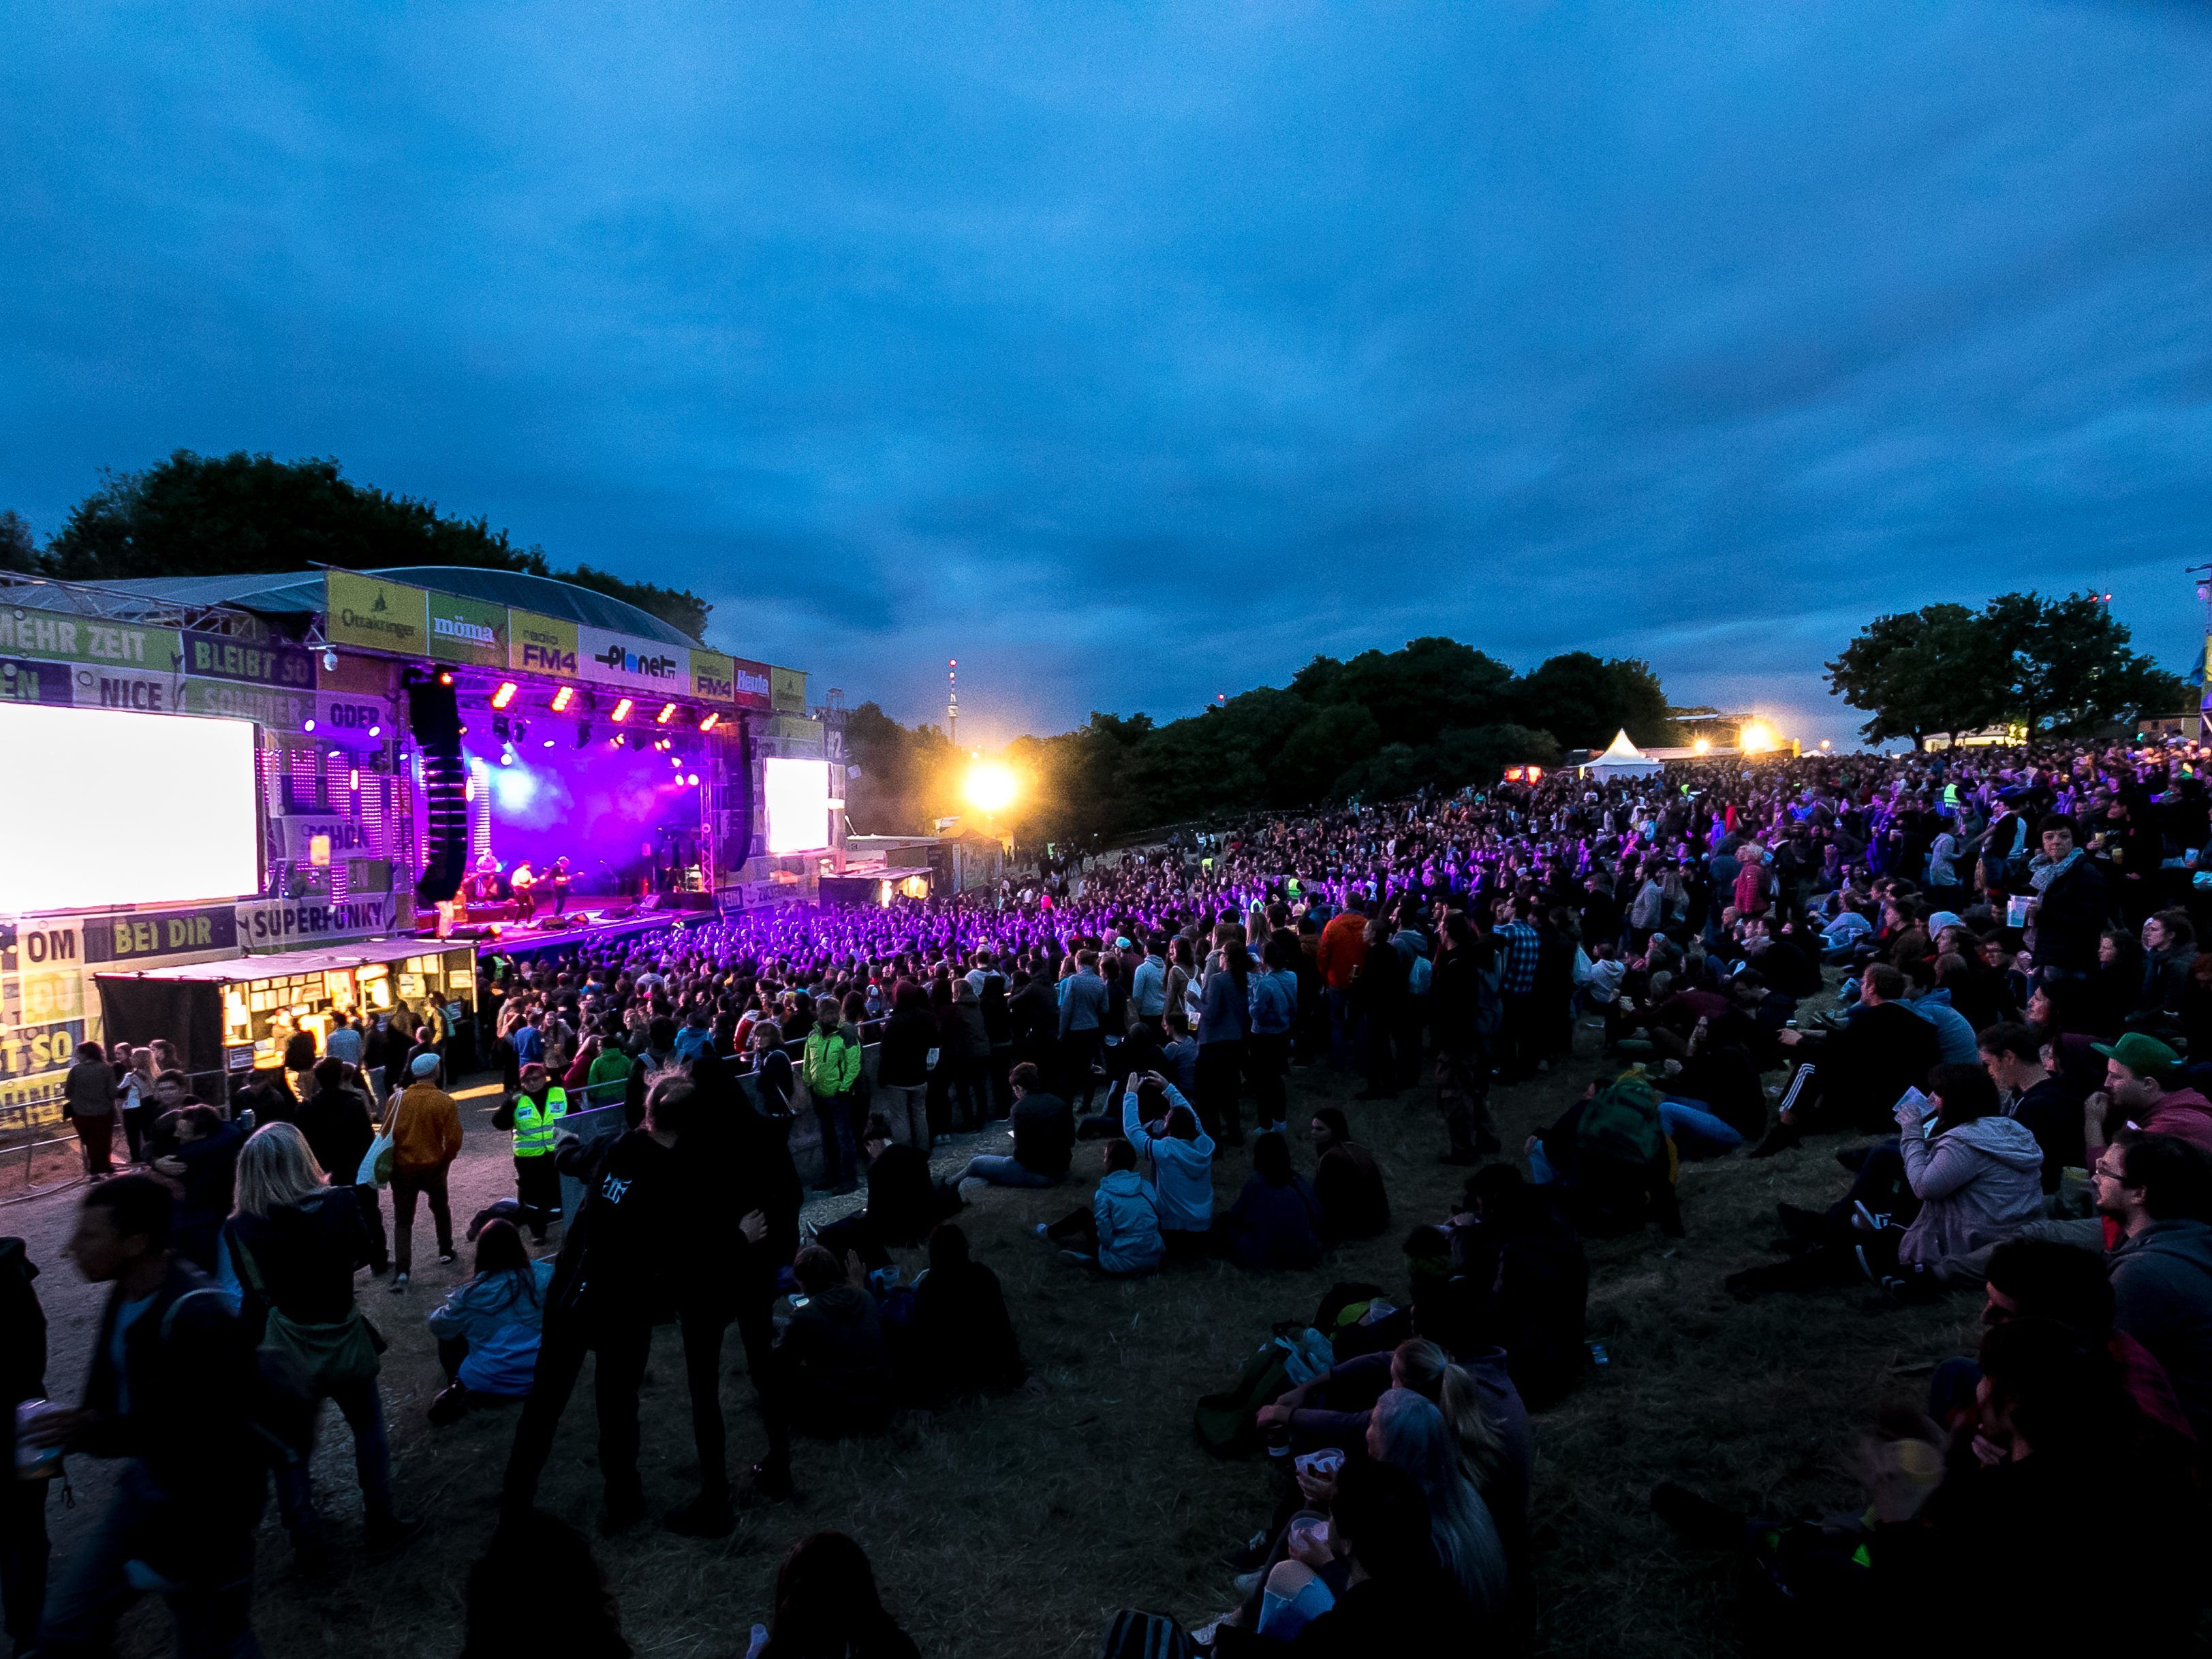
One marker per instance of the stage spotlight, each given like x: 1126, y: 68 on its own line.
x: 446, y: 678
x: 548, y: 742
x: 622, y: 710
x: 667, y: 714
x: 505, y: 694
x: 691, y: 780
x: 306, y: 726
x: 507, y: 757
x: 375, y: 730
x: 584, y: 734
x: 499, y: 728
x: 710, y: 721
x: 353, y: 778
x: 563, y: 697
x: 331, y: 660
x: 676, y: 761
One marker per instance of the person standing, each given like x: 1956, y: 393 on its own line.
x: 23, y: 1546
x: 1464, y: 1009
x: 560, y: 880
x: 832, y: 1066
x: 534, y: 1114
x: 1224, y: 1019
x: 88, y: 1103
x: 902, y: 1065
x: 1518, y: 946
x: 1082, y: 1023
x: 425, y: 1126
x: 1274, y: 1002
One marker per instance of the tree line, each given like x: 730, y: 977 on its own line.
x: 251, y: 515
x: 2048, y: 667
x: 1437, y: 714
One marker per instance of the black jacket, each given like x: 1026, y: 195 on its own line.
x: 2072, y: 913
x: 837, y: 1369
x: 1044, y: 1134
x: 622, y: 1256
x: 903, y: 1060
x: 905, y: 1201
x: 2052, y: 1114
x: 336, y: 1125
x: 300, y: 1258
x: 964, y: 1337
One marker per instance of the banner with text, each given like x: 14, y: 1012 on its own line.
x: 375, y: 614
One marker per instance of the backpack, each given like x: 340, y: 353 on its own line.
x: 1137, y: 1635
x: 1622, y: 1123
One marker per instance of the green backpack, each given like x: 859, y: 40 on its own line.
x: 1622, y: 1123
x: 1225, y: 1421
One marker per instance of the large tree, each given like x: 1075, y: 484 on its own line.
x: 2067, y: 666
x: 242, y: 514
x: 1939, y: 669
x: 1582, y: 701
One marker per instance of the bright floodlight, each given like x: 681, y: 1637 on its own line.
x: 990, y: 788
x: 66, y: 860
x: 1756, y: 738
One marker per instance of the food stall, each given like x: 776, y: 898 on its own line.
x: 238, y: 1015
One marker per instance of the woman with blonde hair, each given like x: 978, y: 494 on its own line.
x: 286, y: 1262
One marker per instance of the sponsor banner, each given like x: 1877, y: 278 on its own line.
x: 317, y: 838
x: 473, y: 631
x: 375, y: 614
x: 541, y: 645
x: 33, y: 944
x: 147, y: 693
x: 41, y: 998
x: 39, y: 1096
x: 271, y: 926
x: 220, y: 657
x: 632, y: 663
x: 787, y: 690
x: 713, y: 677
x: 141, y: 937
x: 362, y: 723
x: 750, y: 686
x: 280, y: 711
x: 22, y: 680
x: 30, y: 1049
x: 58, y: 637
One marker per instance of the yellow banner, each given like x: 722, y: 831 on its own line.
x: 787, y: 690
x: 375, y: 614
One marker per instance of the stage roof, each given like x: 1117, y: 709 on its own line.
x: 300, y: 593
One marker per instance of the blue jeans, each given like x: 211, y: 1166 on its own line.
x: 1697, y: 1133
x: 362, y: 1406
x: 213, y: 1620
x: 1346, y: 1049
x: 841, y: 1157
x: 1540, y: 1172
x: 1003, y: 1172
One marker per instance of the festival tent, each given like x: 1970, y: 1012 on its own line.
x: 1622, y: 759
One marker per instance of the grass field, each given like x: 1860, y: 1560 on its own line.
x: 1012, y: 1530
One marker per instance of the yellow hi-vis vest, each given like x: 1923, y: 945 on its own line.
x: 535, y: 1126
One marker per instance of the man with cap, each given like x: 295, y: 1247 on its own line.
x: 425, y: 1128
x: 2140, y: 1072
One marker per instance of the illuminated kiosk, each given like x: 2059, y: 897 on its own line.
x: 279, y: 763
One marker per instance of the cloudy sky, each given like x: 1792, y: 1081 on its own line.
x: 1132, y: 354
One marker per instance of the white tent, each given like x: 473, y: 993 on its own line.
x: 1622, y: 759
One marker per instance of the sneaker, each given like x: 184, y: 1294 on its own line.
x: 386, y: 1537
x: 399, y: 1282
x: 449, y: 1405
x: 707, y: 1516
x: 447, y: 1255
x: 1042, y: 1231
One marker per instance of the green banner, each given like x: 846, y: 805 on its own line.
x: 473, y: 631
x: 57, y: 636
x: 787, y: 690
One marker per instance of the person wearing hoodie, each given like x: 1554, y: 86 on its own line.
x: 1120, y: 1232
x: 837, y: 1370
x: 1961, y: 1179
x: 1954, y: 1034
x: 1180, y: 1156
x: 1274, y: 1008
x: 1276, y: 1220
x: 2139, y: 1073
x: 2157, y: 1191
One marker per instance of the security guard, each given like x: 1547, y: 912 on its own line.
x: 535, y: 1114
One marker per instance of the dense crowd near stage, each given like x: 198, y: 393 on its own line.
x: 1970, y: 974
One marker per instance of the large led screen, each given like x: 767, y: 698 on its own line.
x: 797, y: 804
x: 107, y: 808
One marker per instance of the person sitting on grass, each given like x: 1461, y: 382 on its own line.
x: 1522, y: 1285
x: 1963, y: 1176
x: 1276, y: 1220
x: 964, y: 1341
x: 827, y: 1607
x: 903, y: 1202
x: 489, y: 1328
x: 1609, y: 1157
x: 1119, y: 1232
x: 837, y: 1372
x: 1044, y: 1139
x: 1346, y: 1182
x: 1179, y: 1157
x: 1395, y: 1600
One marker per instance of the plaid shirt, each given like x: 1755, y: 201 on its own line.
x: 1516, y: 970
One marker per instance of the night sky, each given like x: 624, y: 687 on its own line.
x: 1132, y: 353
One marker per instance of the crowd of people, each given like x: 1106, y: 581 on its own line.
x: 2020, y: 1024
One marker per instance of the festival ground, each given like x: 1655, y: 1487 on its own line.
x: 1011, y: 1529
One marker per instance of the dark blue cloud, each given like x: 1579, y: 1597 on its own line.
x: 1134, y: 355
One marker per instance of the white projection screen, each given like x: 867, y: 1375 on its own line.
x: 798, y: 793
x: 110, y: 808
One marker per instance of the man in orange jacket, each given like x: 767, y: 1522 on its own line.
x: 425, y: 1128
x: 1343, y: 950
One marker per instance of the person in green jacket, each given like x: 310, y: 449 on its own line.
x: 607, y: 1075
x: 832, y: 1068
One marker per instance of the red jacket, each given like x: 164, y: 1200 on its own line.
x: 1343, y: 948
